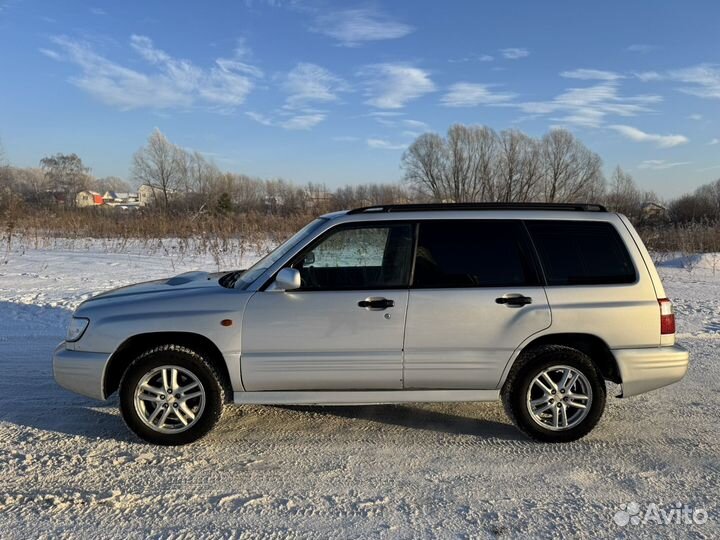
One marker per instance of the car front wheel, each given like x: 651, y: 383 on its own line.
x: 555, y: 394
x: 171, y: 395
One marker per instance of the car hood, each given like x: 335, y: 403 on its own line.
x: 180, y: 283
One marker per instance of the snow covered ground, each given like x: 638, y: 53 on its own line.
x: 69, y: 467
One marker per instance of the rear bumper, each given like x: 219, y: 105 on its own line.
x: 80, y: 372
x: 642, y: 370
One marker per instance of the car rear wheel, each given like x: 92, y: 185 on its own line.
x: 171, y: 395
x: 555, y: 394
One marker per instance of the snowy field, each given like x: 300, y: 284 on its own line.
x: 69, y: 467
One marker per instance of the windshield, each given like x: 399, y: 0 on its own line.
x: 252, y: 273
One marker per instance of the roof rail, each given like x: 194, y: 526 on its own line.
x: 387, y: 208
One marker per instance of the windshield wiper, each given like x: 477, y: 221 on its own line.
x: 229, y: 280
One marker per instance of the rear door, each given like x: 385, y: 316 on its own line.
x: 475, y: 297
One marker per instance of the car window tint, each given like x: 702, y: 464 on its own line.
x: 581, y: 253
x: 359, y: 258
x: 473, y: 253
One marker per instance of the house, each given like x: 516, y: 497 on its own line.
x: 122, y: 200
x: 654, y: 212
x: 88, y: 198
x: 116, y: 197
x: 148, y: 195
x: 317, y: 198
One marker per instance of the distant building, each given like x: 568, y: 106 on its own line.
x: 123, y: 201
x: 148, y: 195
x: 317, y: 198
x: 89, y: 198
x: 653, y: 212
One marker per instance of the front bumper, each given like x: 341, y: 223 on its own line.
x: 80, y: 372
x: 642, y: 370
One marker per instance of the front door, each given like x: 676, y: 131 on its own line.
x: 476, y: 296
x: 343, y: 329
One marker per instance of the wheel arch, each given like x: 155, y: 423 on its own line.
x: 134, y: 346
x: 590, y: 344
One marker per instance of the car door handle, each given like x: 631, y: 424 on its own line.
x: 375, y: 303
x: 514, y: 300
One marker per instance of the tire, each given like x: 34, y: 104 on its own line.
x: 558, y: 413
x: 179, y: 420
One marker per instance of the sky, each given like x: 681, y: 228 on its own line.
x: 334, y: 92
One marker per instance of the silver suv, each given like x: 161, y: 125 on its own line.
x: 534, y: 304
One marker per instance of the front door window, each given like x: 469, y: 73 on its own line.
x: 359, y: 258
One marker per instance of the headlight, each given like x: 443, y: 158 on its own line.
x: 77, y: 328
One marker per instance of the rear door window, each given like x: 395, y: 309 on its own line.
x: 473, y: 253
x: 581, y: 253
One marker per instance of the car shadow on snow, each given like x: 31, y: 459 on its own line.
x: 419, y: 418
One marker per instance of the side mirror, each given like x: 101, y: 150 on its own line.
x: 288, y: 279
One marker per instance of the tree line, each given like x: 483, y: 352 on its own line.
x: 468, y: 164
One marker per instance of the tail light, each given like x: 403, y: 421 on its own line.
x: 667, y: 317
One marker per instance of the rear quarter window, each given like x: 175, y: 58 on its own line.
x: 581, y: 253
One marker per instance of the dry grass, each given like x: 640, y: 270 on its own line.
x: 228, y: 238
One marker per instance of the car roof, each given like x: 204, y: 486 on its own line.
x: 489, y: 210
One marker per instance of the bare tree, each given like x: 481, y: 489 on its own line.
x: 458, y: 168
x: 425, y: 164
x: 31, y: 183
x: 202, y: 176
x: 518, y: 168
x: 67, y: 174
x: 159, y: 164
x: 473, y: 163
x: 571, y: 171
x: 623, y: 195
x: 111, y: 183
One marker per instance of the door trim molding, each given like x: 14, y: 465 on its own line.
x: 361, y: 397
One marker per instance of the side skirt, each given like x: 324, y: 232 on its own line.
x: 361, y: 397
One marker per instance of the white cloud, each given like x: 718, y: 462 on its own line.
x: 172, y: 83
x: 592, y: 74
x: 660, y: 164
x: 391, y: 86
x: 50, y: 54
x: 513, y: 53
x: 662, y: 141
x: 385, y: 114
x: 695, y: 116
x: 308, y: 83
x: 465, y: 94
x: 641, y: 48
x: 712, y: 168
x: 345, y: 138
x: 416, y: 124
x: 303, y: 121
x: 98, y: 11
x: 714, y: 142
x: 352, y: 27
x: 480, y: 58
x: 293, y: 122
x: 260, y: 118
x: 382, y: 144
x: 647, y: 76
x: 589, y: 106
x: 702, y: 80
